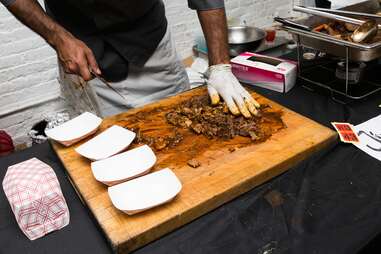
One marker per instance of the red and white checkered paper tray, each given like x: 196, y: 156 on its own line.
x: 36, y: 199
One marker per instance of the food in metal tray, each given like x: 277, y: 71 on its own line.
x: 339, y: 30
x: 344, y: 31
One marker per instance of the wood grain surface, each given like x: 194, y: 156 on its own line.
x: 228, y: 169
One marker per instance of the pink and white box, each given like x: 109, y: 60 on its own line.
x: 265, y: 71
x: 36, y: 199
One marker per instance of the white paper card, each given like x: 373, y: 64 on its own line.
x: 369, y: 134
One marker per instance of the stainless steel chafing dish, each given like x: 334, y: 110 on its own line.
x: 338, y: 47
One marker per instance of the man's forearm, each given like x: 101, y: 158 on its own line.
x: 30, y: 13
x: 213, y: 23
x: 75, y: 56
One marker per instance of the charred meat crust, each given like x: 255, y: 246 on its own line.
x: 202, y: 118
x: 198, y: 116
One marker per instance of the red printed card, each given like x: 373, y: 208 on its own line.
x: 346, y: 132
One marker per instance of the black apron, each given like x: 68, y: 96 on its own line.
x: 119, y: 32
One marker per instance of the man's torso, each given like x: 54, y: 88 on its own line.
x: 118, y: 32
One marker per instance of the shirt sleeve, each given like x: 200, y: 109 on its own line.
x: 205, y: 4
x: 7, y: 2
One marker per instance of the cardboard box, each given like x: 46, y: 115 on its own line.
x: 35, y: 197
x: 265, y: 71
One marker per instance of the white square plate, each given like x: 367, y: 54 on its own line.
x: 145, y: 192
x: 110, y: 142
x: 124, y: 166
x: 76, y: 129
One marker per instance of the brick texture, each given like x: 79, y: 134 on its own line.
x: 29, y: 89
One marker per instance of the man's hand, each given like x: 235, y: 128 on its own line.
x: 75, y: 56
x: 223, y: 83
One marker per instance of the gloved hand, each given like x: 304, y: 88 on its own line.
x: 222, y: 82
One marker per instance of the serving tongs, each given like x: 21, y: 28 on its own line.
x: 323, y: 13
x: 366, y: 31
x: 349, y: 13
x: 290, y: 23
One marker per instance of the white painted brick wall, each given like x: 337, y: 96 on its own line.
x: 185, y: 26
x: 29, y: 88
x: 28, y: 78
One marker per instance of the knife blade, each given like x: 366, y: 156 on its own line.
x: 108, y: 85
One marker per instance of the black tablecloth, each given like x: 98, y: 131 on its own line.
x: 330, y: 203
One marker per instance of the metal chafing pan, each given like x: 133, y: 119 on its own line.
x: 328, y: 44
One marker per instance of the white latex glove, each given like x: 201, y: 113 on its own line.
x: 222, y: 82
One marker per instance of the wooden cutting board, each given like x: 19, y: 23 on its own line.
x: 223, y: 175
